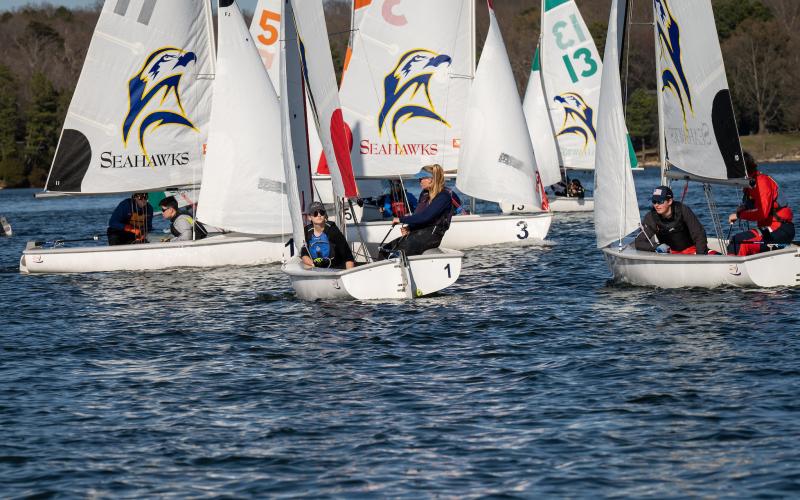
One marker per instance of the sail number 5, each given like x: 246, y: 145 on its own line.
x: 583, y: 55
x: 271, y: 31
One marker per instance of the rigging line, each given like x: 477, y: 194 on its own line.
x: 712, y: 206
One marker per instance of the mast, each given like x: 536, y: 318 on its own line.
x: 662, y: 143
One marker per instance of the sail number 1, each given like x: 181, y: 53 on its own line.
x: 581, y: 55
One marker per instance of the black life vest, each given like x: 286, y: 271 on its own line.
x: 442, y: 223
x: 674, y: 232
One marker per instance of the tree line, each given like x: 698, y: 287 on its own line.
x: 44, y: 48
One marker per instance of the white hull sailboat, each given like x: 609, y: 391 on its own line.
x: 769, y: 269
x: 400, y: 277
x: 690, y: 23
x: 395, y: 278
x: 405, y: 92
x: 160, y: 58
x: 230, y: 249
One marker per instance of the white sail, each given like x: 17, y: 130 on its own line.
x: 698, y: 123
x: 265, y: 29
x: 139, y: 115
x: 406, y: 84
x: 496, y: 161
x: 571, y: 70
x: 616, y: 210
x: 293, y: 131
x: 540, y: 128
x: 323, y: 93
x: 243, y: 185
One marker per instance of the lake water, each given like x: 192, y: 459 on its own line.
x: 533, y: 376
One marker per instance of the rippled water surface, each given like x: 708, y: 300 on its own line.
x: 533, y: 376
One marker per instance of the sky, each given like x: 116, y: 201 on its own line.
x: 249, y: 5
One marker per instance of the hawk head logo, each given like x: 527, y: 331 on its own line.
x: 407, y: 90
x: 158, y: 82
x: 669, y: 40
x: 578, y: 117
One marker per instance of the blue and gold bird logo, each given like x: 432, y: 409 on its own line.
x: 407, y: 90
x: 669, y: 39
x: 155, y: 94
x: 578, y: 117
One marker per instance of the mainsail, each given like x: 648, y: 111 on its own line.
x: 616, y: 209
x: 139, y: 115
x: 243, y: 186
x: 496, y: 161
x: 406, y: 83
x: 699, y: 128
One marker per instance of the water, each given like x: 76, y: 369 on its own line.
x: 533, y: 376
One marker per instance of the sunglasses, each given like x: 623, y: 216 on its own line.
x: 317, y: 213
x: 659, y: 202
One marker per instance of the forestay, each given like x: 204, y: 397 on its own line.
x: 496, y: 161
x: 537, y: 116
x: 571, y: 70
x: 699, y: 127
x: 139, y: 115
x: 323, y: 93
x: 243, y: 186
x: 616, y: 209
x: 406, y: 83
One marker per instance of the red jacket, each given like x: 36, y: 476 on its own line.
x: 762, y: 205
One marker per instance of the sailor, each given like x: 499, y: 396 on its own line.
x: 671, y: 227
x: 131, y: 221
x: 426, y: 228
x: 182, y: 225
x: 575, y: 189
x: 763, y: 204
x: 325, y: 244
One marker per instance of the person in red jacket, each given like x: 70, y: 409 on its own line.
x: 763, y: 204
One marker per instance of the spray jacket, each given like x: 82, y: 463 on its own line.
x: 679, y: 232
x: 762, y: 204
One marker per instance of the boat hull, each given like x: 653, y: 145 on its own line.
x: 230, y: 249
x: 466, y: 231
x: 768, y: 269
x: 386, y: 279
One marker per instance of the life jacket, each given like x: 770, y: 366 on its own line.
x: 138, y: 220
x: 779, y: 210
x: 442, y: 223
x: 674, y: 233
x: 399, y: 208
x: 319, y: 247
x: 198, y: 229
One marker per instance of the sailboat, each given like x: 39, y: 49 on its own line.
x: 570, y: 71
x: 405, y: 90
x: 699, y: 142
x: 396, y: 278
x: 139, y: 120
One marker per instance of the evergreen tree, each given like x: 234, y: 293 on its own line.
x: 12, y: 170
x: 42, y: 130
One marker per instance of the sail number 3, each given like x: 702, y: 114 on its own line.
x: 583, y: 55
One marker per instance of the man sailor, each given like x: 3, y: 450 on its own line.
x: 671, y: 227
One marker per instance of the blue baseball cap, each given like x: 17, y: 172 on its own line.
x: 423, y: 174
x: 662, y: 194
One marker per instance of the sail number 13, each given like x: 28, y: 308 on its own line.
x: 583, y: 55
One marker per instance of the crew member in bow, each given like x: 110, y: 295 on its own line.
x: 131, y: 221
